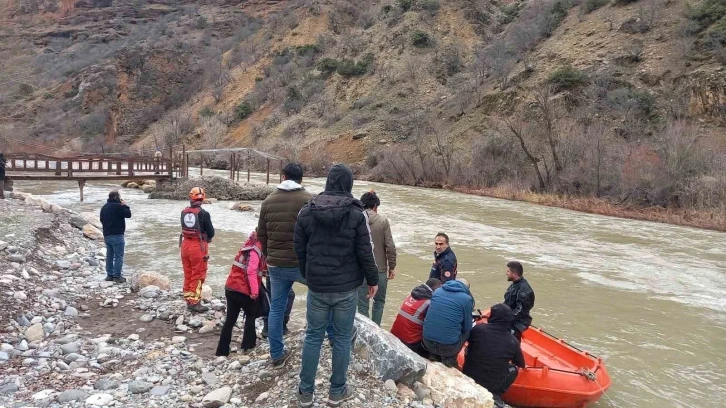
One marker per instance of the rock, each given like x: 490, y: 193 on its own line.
x: 242, y: 207
x: 23, y: 346
x: 207, y: 328
x: 146, y: 318
x: 262, y: 397
x: 41, y: 395
x: 149, y: 292
x: 139, y: 387
x: 360, y: 135
x: 391, y: 385
x: 195, y: 322
x: 3, y: 245
x: 264, y: 375
x: 62, y: 264
x: 451, y: 388
x: 405, y: 392
x: 70, y: 348
x: 217, y: 398
x: 89, y: 231
x: 19, y: 295
x: 388, y: 357
x: 4, y: 356
x: 71, y: 395
x: 92, y: 218
x: 35, y: 333
x: 77, y: 221
x: 178, y: 339
x: 140, y: 280
x: 104, y: 384
x: 206, y: 292
x: 8, y: 388
x: 210, y: 379
x: 99, y: 400
x: 235, y: 365
x: 23, y: 321
x: 148, y: 188
x: 17, y: 258
x: 70, y: 311
x: 49, y: 327
x: 132, y: 185
x: 160, y: 390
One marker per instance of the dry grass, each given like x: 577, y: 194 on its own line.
x: 711, y: 220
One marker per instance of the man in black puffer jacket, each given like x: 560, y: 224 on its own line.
x: 492, y: 350
x: 334, y: 250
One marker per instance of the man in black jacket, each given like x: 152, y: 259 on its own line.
x: 113, y: 219
x: 334, y: 250
x: 491, y: 348
x: 520, y: 298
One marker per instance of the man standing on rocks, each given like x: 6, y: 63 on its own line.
x: 197, y: 233
x: 275, y: 231
x: 520, y: 298
x: 113, y: 219
x: 384, y: 250
x: 335, y: 253
x: 444, y: 266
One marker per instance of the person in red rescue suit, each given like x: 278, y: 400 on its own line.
x: 197, y: 233
x: 408, y: 326
x: 242, y: 290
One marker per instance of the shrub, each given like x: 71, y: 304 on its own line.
x: 708, y: 12
x: 621, y: 2
x: 348, y: 68
x: 328, y: 65
x: 206, y: 112
x: 405, y: 5
x: 567, y: 77
x: 509, y: 13
x: 201, y: 23
x: 591, y: 5
x: 431, y: 6
x: 421, y: 39
x: 243, y: 110
x: 307, y: 49
x: 25, y: 89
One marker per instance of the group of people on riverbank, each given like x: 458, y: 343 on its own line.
x: 343, y: 250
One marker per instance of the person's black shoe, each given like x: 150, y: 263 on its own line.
x: 498, y: 403
x: 119, y: 280
x: 197, y: 308
x: 285, y: 331
x: 109, y: 279
x: 286, y: 354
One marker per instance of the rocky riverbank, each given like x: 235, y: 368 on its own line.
x: 218, y: 188
x: 69, y: 338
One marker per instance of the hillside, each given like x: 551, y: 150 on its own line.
x: 623, y: 100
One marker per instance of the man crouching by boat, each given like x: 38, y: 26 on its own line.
x: 491, y: 348
x: 520, y: 298
x: 408, y: 326
x: 448, y: 321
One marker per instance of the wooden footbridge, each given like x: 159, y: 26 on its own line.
x: 113, y: 167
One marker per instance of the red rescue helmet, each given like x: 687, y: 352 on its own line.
x: 197, y: 194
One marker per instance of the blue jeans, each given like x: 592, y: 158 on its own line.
x: 281, y: 279
x: 320, y: 306
x: 114, y: 255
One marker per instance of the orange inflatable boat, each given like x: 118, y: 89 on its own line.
x: 558, y: 375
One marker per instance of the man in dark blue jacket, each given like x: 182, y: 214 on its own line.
x: 491, y: 352
x: 448, y: 321
x: 113, y: 218
x: 444, y: 266
x: 335, y: 254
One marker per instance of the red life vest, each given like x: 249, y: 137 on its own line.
x: 191, y: 227
x: 408, y: 326
x: 238, y: 280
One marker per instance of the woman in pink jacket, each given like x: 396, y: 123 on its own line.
x: 242, y: 290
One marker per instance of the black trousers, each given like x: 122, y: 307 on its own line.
x: 507, y: 381
x: 235, y: 302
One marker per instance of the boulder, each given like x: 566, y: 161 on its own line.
x: 217, y: 398
x: 35, y: 333
x: 132, y: 185
x: 141, y: 280
x: 92, y: 218
x: 77, y: 221
x: 452, y: 389
x: 71, y: 395
x: 148, y: 188
x: 89, y: 231
x: 206, y: 292
x: 384, y: 356
x: 242, y: 207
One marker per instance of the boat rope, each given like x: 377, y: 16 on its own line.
x: 590, y: 375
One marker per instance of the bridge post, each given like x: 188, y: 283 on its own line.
x: 249, y: 163
x: 280, y: 170
x: 183, y: 159
x: 231, y: 166
x: 201, y: 164
x: 58, y: 168
x: 81, y: 184
x: 268, y: 170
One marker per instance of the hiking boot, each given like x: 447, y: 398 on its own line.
x: 264, y: 330
x: 304, y: 399
x: 285, y: 331
x: 338, y: 399
x: 197, y: 308
x: 498, y: 403
x: 286, y: 354
x: 109, y: 279
x: 120, y: 279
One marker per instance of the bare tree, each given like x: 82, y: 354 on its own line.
x: 499, y: 62
x: 174, y: 126
x: 213, y: 132
x: 596, y: 132
x: 515, y: 129
x: 547, y: 119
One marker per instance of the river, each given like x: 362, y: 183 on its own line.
x: 649, y: 298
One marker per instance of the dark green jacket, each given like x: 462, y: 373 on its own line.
x: 276, y: 226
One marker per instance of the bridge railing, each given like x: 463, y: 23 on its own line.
x: 70, y: 167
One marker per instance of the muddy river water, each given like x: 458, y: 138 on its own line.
x: 649, y: 298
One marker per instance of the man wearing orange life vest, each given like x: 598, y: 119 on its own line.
x: 197, y: 233
x: 408, y: 326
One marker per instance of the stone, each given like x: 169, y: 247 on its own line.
x: 206, y: 292
x: 405, y: 392
x: 139, y: 387
x: 160, y: 390
x: 70, y: 348
x: 92, y: 218
x: 71, y: 395
x: 16, y: 258
x: 148, y: 188
x: 262, y: 397
x: 178, y: 339
x: 70, y: 311
x: 41, y: 395
x: 388, y: 358
x: 77, y: 221
x: 451, y: 388
x: 210, y: 379
x: 140, y: 280
x: 4, y: 356
x: 91, y: 232
x: 207, y: 328
x: 8, y: 388
x: 104, y: 384
x: 99, y: 400
x: 235, y: 365
x: 23, y: 321
x: 49, y: 327
x: 149, y: 292
x: 3, y: 245
x: 35, y: 333
x: 195, y: 322
x: 23, y: 346
x: 19, y: 295
x: 146, y: 318
x: 242, y: 207
x: 6, y: 347
x: 217, y: 398
x: 62, y: 264
x: 264, y: 375
x: 391, y: 385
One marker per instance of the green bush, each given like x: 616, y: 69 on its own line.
x: 348, y: 68
x: 25, y: 89
x: 328, y: 65
x: 405, y: 5
x: 206, y: 112
x: 431, y: 6
x: 707, y: 13
x: 509, y: 13
x: 589, y: 6
x: 421, y: 39
x: 386, y: 9
x: 307, y: 49
x: 201, y: 23
x: 621, y: 2
x: 567, y: 77
x: 243, y: 110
